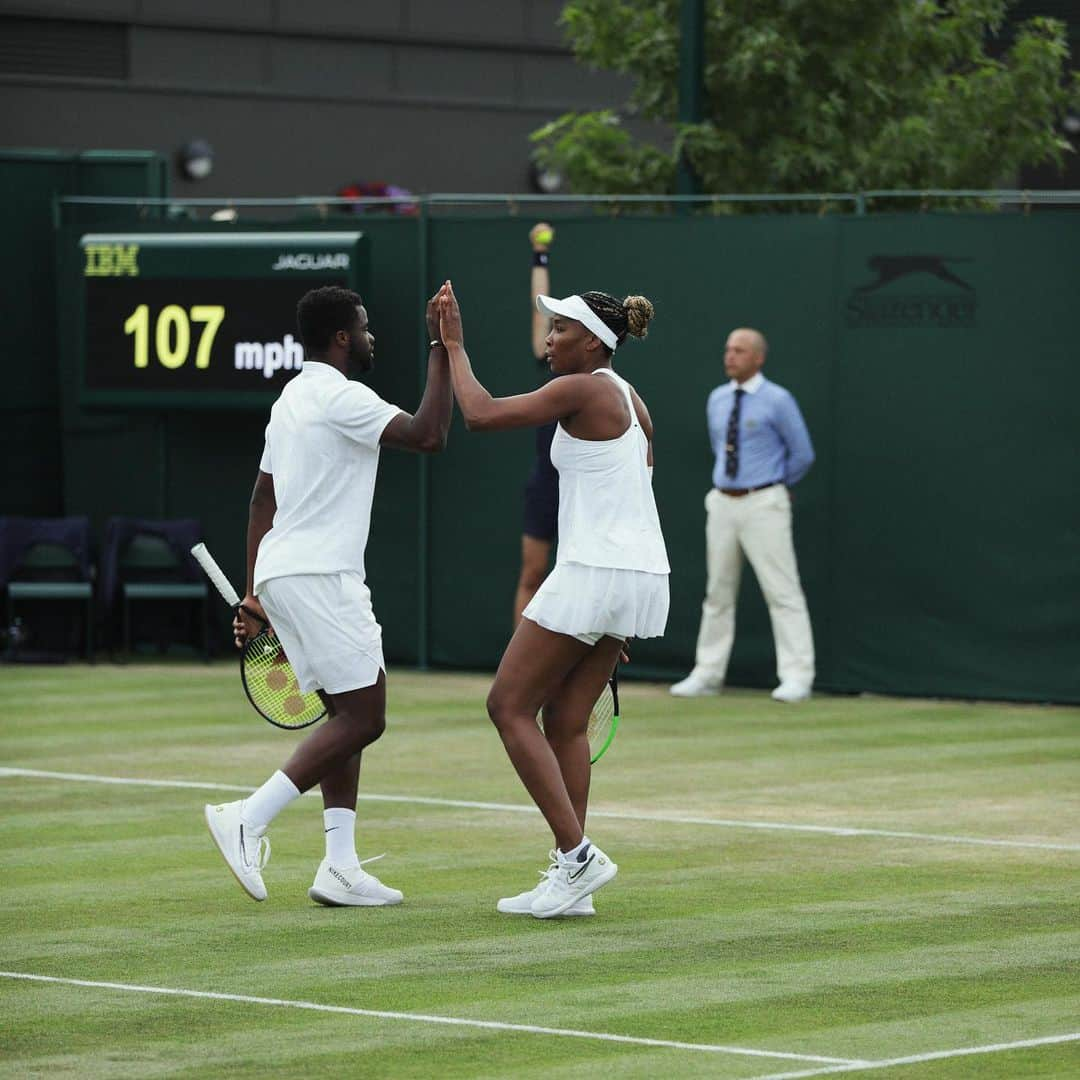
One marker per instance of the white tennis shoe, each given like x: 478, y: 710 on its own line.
x: 522, y: 903
x: 697, y: 685
x: 791, y: 693
x: 572, y: 882
x: 351, y: 887
x: 245, y: 853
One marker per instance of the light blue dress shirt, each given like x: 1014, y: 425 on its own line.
x: 774, y: 445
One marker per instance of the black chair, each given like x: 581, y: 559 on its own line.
x: 47, y: 560
x: 149, y: 562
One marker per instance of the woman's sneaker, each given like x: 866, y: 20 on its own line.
x: 245, y: 852
x: 571, y: 881
x: 522, y: 903
x: 351, y: 887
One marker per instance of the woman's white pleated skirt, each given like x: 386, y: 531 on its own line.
x: 591, y: 602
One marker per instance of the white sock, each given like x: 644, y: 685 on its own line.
x: 261, y: 807
x: 339, y: 824
x: 575, y: 852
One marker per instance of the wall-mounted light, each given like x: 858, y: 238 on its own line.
x: 544, y: 179
x: 196, y: 159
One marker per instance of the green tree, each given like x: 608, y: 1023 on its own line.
x: 821, y: 95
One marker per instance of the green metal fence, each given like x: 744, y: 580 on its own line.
x: 932, y: 353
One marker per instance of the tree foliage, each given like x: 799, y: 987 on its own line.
x: 821, y: 95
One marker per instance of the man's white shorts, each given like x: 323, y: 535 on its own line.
x: 326, y: 624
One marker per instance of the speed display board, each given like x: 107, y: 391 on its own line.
x: 198, y: 320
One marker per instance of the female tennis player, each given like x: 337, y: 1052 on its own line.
x: 610, y: 581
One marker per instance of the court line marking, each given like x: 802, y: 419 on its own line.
x: 915, y: 1059
x: 425, y: 1018
x: 517, y: 808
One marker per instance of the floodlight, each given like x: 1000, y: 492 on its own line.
x: 196, y: 159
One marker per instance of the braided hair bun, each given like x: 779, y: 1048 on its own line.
x: 639, y: 313
x: 629, y: 316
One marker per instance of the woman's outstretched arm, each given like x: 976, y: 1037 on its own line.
x: 557, y: 400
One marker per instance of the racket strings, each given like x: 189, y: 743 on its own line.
x: 603, y: 721
x: 600, y: 719
x: 272, y: 686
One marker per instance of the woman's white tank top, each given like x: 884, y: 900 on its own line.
x: 607, y: 513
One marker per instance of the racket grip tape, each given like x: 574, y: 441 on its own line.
x: 215, y: 574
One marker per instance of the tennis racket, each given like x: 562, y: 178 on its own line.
x: 603, y: 720
x: 268, y: 678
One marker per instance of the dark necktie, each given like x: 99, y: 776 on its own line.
x: 731, y: 463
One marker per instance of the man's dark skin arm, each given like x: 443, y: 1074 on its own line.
x: 261, y: 512
x: 425, y: 432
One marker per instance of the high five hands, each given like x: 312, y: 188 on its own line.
x: 450, y: 331
x: 431, y: 317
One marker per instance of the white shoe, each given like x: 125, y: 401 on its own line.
x: 244, y: 851
x: 351, y: 887
x: 790, y: 693
x: 697, y: 685
x: 522, y: 903
x: 571, y: 881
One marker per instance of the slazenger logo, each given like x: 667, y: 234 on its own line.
x: 306, y: 260
x: 946, y: 301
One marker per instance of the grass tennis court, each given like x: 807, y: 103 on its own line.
x: 802, y: 891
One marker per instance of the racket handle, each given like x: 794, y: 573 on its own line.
x: 215, y: 574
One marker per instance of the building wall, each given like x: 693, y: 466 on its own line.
x: 297, y: 97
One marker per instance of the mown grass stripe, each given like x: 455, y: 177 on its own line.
x: 425, y: 1018
x: 671, y: 819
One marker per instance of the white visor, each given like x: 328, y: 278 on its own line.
x: 573, y: 307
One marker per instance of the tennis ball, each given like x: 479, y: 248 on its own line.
x: 545, y: 236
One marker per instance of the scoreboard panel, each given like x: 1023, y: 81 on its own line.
x: 202, y: 320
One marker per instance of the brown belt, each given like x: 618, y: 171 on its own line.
x: 739, y: 492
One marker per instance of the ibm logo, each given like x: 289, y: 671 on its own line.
x: 111, y: 260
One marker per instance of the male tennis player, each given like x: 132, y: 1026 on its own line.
x: 308, y: 526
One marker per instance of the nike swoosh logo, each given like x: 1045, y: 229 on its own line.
x: 577, y: 873
x: 332, y: 828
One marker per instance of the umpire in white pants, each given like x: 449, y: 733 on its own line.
x: 762, y: 448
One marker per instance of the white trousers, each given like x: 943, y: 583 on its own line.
x: 759, y: 526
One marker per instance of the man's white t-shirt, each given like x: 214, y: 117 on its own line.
x: 322, y: 449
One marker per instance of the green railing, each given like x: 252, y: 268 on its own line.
x: 66, y: 208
